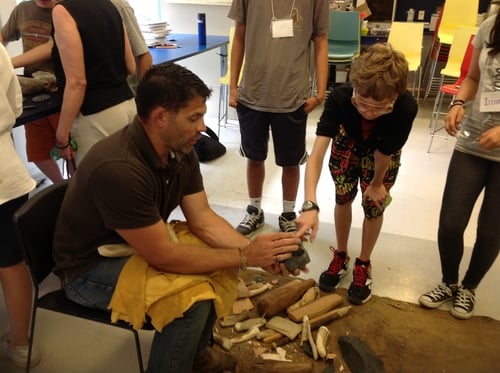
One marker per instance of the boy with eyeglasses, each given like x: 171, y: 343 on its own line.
x: 367, y: 123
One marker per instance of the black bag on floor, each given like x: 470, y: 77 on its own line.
x: 208, y: 146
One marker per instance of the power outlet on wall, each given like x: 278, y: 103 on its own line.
x: 421, y: 15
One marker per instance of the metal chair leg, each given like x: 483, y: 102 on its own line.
x: 432, y: 71
x: 31, y: 335
x: 223, y: 108
x: 138, y: 349
x: 436, y: 111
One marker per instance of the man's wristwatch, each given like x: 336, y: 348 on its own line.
x: 308, y: 206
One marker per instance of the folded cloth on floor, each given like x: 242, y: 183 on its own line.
x: 142, y: 290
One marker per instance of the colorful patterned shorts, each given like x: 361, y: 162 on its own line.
x: 348, y: 165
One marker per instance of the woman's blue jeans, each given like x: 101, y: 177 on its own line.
x: 175, y: 347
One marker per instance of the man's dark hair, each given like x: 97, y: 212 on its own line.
x: 170, y: 86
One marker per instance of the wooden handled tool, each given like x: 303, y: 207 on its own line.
x: 315, y: 323
x: 274, y: 337
x: 328, y: 317
x: 282, y: 367
x: 276, y: 300
x: 315, y: 308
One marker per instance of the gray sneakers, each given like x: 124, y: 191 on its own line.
x: 463, y: 303
x: 253, y: 220
x: 463, y: 299
x: 299, y: 258
x: 286, y: 222
x: 440, y: 294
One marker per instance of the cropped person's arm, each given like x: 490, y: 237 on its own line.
x: 466, y: 92
x: 376, y: 190
x: 154, y: 245
x: 308, y: 221
x: 321, y: 66
x: 129, y: 56
x: 35, y: 55
x: 237, y: 55
x: 217, y: 232
x: 69, y: 44
x: 140, y: 50
x: 144, y: 63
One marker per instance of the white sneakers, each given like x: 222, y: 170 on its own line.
x: 19, y: 354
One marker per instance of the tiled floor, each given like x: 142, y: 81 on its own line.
x: 405, y: 259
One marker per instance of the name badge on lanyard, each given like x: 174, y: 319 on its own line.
x: 282, y: 28
x: 490, y: 102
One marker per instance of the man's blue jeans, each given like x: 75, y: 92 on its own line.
x: 175, y: 347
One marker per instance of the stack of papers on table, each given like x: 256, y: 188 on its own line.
x: 155, y: 33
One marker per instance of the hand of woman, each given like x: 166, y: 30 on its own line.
x: 67, y: 153
x: 453, y: 119
x: 490, y: 139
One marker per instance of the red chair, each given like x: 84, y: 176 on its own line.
x: 437, y: 53
x: 454, y: 13
x: 449, y: 89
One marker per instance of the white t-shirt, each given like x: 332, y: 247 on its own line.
x: 476, y: 121
x: 15, y: 181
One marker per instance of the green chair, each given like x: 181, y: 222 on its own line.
x: 344, y: 38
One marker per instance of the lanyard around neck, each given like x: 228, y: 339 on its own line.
x: 291, y: 10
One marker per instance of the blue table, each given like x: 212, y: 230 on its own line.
x: 36, y: 110
x: 187, y: 47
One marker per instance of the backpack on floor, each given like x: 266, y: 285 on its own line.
x: 208, y: 146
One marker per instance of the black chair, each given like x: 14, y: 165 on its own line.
x: 35, y: 222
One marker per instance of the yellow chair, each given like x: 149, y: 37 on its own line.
x: 455, y: 13
x: 222, y: 118
x: 457, y: 66
x: 407, y: 37
x: 457, y: 51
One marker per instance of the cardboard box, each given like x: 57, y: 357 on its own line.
x: 364, y: 10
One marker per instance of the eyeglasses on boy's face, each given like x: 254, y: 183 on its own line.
x: 365, y: 105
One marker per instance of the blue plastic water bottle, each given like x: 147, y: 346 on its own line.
x: 202, y: 29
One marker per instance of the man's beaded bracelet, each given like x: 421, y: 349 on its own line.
x: 243, y: 258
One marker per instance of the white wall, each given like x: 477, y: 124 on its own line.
x: 6, y: 6
x: 182, y: 18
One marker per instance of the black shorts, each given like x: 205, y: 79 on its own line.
x: 10, y: 251
x: 288, y: 133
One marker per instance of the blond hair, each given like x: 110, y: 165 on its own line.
x: 380, y: 72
